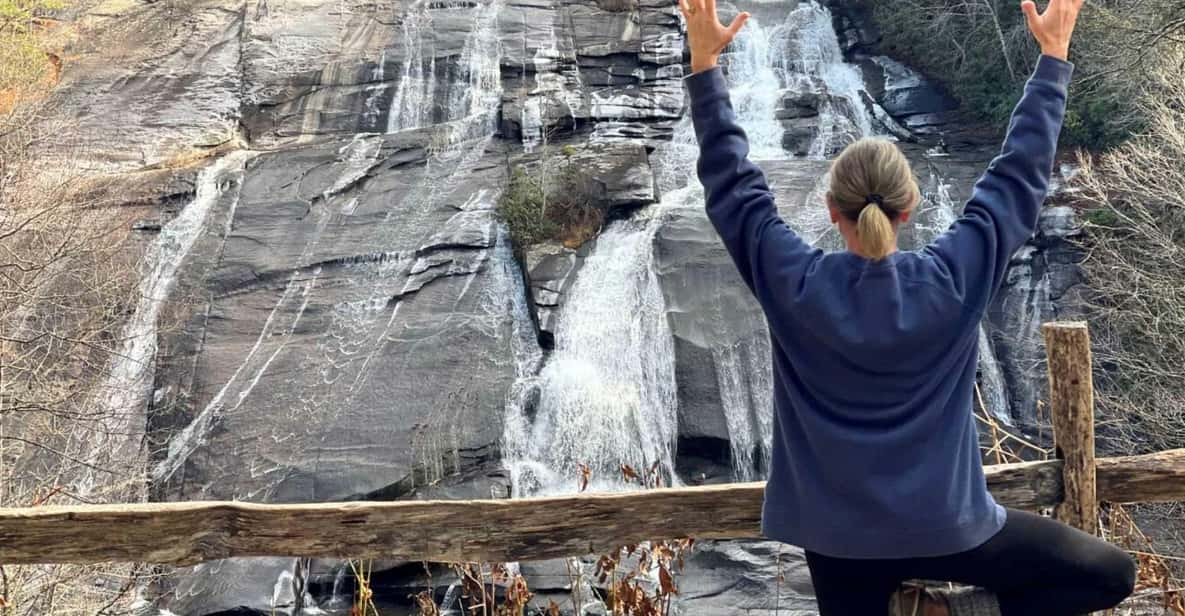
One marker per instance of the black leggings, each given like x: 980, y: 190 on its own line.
x: 1035, y: 566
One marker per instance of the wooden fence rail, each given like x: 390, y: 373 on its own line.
x: 540, y: 528
x: 483, y: 530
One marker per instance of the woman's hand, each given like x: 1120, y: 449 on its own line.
x: 1054, y: 28
x: 705, y: 36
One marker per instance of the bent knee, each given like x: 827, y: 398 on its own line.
x: 1113, y: 574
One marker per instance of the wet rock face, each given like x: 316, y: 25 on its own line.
x: 1044, y: 283
x: 551, y: 270
x: 343, y: 280
x: 579, y: 63
x: 353, y: 335
x: 151, y: 81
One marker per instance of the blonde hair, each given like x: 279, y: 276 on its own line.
x: 872, y: 184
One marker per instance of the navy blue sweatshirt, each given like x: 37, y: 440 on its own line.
x: 875, y: 453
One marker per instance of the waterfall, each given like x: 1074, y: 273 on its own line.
x: 476, y: 96
x: 756, y: 70
x: 128, y: 386
x: 745, y: 379
x: 606, y: 395
x: 607, y: 392
x: 473, y: 96
x: 814, y: 54
x: 800, y: 55
x: 411, y: 105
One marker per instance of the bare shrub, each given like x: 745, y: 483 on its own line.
x: 982, y: 50
x: 67, y: 282
x: 554, y: 204
x: 1136, y: 269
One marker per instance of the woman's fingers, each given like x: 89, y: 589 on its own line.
x: 685, y: 8
x: 738, y: 22
x: 1031, y: 15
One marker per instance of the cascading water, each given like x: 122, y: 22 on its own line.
x: 556, y: 82
x: 472, y: 95
x: 813, y: 56
x: 129, y: 383
x: 755, y: 68
x: 411, y: 105
x: 607, y: 393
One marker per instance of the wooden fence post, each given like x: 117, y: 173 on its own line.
x: 1071, y: 393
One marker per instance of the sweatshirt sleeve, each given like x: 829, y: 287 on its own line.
x: 771, y: 258
x: 1005, y: 203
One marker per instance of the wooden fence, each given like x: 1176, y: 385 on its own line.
x: 539, y: 528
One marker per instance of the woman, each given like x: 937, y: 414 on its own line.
x: 875, y: 468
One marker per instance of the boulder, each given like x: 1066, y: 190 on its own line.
x: 798, y: 103
x: 550, y: 269
x: 800, y: 134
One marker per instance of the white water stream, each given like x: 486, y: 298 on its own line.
x: 125, y: 393
x: 607, y: 393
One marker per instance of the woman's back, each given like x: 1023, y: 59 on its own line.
x: 875, y: 466
x: 874, y: 370
x: 875, y: 450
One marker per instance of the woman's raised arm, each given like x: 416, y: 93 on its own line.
x: 1005, y: 203
x: 768, y: 254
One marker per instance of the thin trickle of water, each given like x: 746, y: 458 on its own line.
x: 478, y: 92
x: 128, y: 387
x: 377, y: 86
x: 555, y: 81
x: 411, y: 106
x: 935, y: 216
x: 474, y: 94
x: 744, y: 378
x: 607, y: 392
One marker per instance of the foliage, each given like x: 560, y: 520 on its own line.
x: 632, y: 580
x: 630, y: 589
x: 550, y: 206
x: 522, y: 208
x: 983, y: 51
x: 480, y: 585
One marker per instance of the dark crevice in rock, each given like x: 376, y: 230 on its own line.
x: 476, y: 471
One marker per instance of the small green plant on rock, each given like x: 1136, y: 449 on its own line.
x: 524, y: 209
x: 561, y: 208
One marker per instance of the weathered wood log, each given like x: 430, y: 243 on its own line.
x: 488, y: 530
x: 1150, y: 478
x: 1071, y: 402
